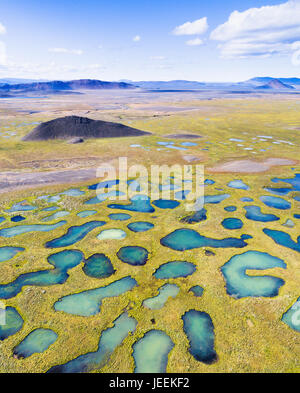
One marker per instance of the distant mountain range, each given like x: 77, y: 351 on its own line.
x: 10, y: 87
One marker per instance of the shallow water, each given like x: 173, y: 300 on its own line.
x: 174, y: 269
x: 13, y: 322
x: 140, y: 226
x: 98, y: 266
x: 62, y: 262
x: 188, y: 239
x: 199, y: 329
x: 119, y: 216
x: 110, y: 339
x: 232, y: 223
x: 7, y: 253
x: 74, y: 234
x: 238, y: 184
x: 73, y: 192
x: 21, y: 229
x: 254, y: 213
x: 215, y: 199
x: 86, y: 213
x: 151, y: 352
x: 275, y: 202
x: 21, y: 206
x: 104, y: 184
x: 283, y: 239
x: 240, y: 285
x: 230, y: 208
x: 88, y: 303
x: 139, y: 203
x: 292, y: 316
x: 133, y: 255
x: 103, y: 197
x: 158, y: 302
x: 37, y: 341
x: 112, y: 234
x: 55, y: 216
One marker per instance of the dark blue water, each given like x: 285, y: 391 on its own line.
x: 62, y: 262
x: 198, y: 216
x: 283, y: 239
x: 151, y: 352
x: 74, y: 234
x: 239, y: 284
x: 230, y: 209
x: 17, y: 219
x: 104, y: 184
x: 133, y: 255
x: 13, y: 322
x: 98, y: 266
x: 110, y: 339
x: 166, y: 204
x: 188, y: 239
x: 88, y: 303
x: 37, y: 341
x: 232, y: 223
x: 140, y: 226
x: 199, y: 329
x: 275, y: 202
x: 174, y: 269
x: 7, y: 253
x: 294, y: 182
x: 254, y: 213
x: 139, y: 203
x: 197, y: 290
x: 279, y: 191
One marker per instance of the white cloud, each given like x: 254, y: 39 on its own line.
x: 2, y: 29
x: 3, y: 56
x: 137, y: 38
x: 194, y: 42
x: 260, y: 31
x: 199, y: 26
x: 64, y: 50
x: 157, y: 57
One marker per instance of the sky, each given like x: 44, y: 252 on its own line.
x: 210, y: 40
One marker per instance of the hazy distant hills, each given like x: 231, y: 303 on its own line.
x: 10, y: 87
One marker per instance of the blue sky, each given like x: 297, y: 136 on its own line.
x: 149, y: 39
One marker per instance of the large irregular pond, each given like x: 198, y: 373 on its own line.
x: 175, y: 269
x: 188, y: 239
x: 283, y: 239
x: 239, y: 284
x: 74, y: 234
x: 11, y: 322
x: 37, y: 341
x: 7, y: 253
x: 158, y: 302
x: 151, y: 352
x: 254, y: 213
x: 62, y: 262
x: 88, y: 302
x: 110, y: 339
x: 138, y: 203
x: 199, y: 329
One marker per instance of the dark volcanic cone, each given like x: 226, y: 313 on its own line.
x: 73, y: 126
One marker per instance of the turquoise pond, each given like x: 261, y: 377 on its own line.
x: 151, y: 352
x: 133, y: 255
x: 88, y: 302
x: 110, y: 339
x: 232, y: 223
x: 199, y: 330
x: 21, y: 229
x: 139, y: 203
x: 11, y: 322
x: 238, y: 184
x: 112, y: 234
x: 158, y: 302
x: 98, y: 266
x: 283, y: 239
x: 140, y: 226
x: 197, y: 290
x: 254, y: 213
x: 275, y: 202
x: 174, y: 269
x: 240, y: 285
x: 37, y: 341
x: 166, y: 204
x: 292, y: 316
x: 62, y: 262
x: 86, y: 213
x: 119, y: 216
x: 215, y: 199
x: 74, y: 234
x: 188, y: 239
x: 7, y: 253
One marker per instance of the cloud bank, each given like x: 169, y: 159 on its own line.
x: 199, y: 26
